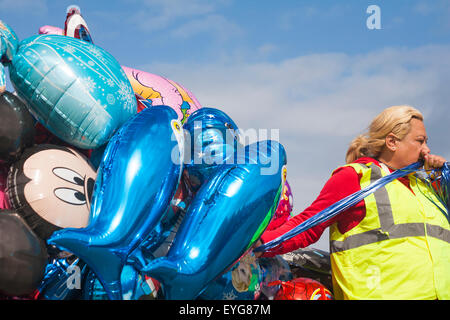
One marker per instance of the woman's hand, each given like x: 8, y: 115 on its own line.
x: 256, y: 245
x: 432, y: 161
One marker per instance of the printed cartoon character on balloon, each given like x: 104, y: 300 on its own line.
x: 51, y: 187
x: 284, y: 209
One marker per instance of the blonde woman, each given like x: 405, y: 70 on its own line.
x: 395, y: 244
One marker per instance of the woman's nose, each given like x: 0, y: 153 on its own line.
x: 425, y: 149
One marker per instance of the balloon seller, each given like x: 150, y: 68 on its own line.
x: 395, y: 243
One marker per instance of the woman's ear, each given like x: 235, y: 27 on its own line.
x: 391, y: 142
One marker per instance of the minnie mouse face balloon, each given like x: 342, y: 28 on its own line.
x: 51, y: 187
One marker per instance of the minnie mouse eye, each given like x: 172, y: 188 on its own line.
x: 70, y: 196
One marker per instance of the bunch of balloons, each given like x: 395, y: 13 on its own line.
x: 116, y: 183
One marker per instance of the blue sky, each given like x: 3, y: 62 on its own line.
x: 310, y: 68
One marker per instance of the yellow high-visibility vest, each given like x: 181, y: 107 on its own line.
x: 400, y: 250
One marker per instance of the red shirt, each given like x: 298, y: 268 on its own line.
x: 344, y: 182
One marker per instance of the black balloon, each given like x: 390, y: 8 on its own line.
x: 23, y: 256
x: 16, y: 127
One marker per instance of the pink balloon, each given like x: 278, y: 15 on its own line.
x: 162, y: 91
x: 4, y: 203
x: 51, y: 30
x: 285, y: 206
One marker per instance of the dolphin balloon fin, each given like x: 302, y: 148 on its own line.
x: 97, y: 258
x: 163, y: 269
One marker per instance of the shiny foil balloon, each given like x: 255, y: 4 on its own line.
x: 227, y: 215
x: 75, y: 26
x: 8, y: 47
x: 16, y: 127
x: 161, y: 238
x: 302, y: 289
x: 212, y: 139
x: 156, y: 90
x: 63, y: 278
x: 136, y: 180
x: 273, y: 269
x: 134, y: 286
x: 242, y: 282
x: 284, y: 209
x: 51, y: 30
x: 8, y: 43
x: 23, y: 256
x: 51, y: 186
x: 74, y: 88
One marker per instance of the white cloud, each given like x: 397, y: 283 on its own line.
x: 161, y: 14
x: 181, y: 20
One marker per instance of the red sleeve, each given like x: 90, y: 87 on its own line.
x: 343, y: 182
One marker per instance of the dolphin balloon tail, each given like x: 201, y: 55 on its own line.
x: 70, y: 240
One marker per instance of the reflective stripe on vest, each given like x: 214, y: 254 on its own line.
x: 388, y: 229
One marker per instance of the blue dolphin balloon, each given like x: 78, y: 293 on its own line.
x: 74, y: 88
x: 136, y: 180
x: 228, y: 214
x: 61, y: 280
x: 208, y: 132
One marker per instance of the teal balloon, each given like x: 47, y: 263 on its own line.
x: 8, y: 43
x: 8, y: 47
x: 228, y: 214
x: 77, y: 90
x: 136, y: 181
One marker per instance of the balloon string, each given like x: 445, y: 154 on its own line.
x: 440, y: 187
x: 339, y: 206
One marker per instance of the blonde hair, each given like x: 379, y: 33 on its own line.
x: 394, y: 120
